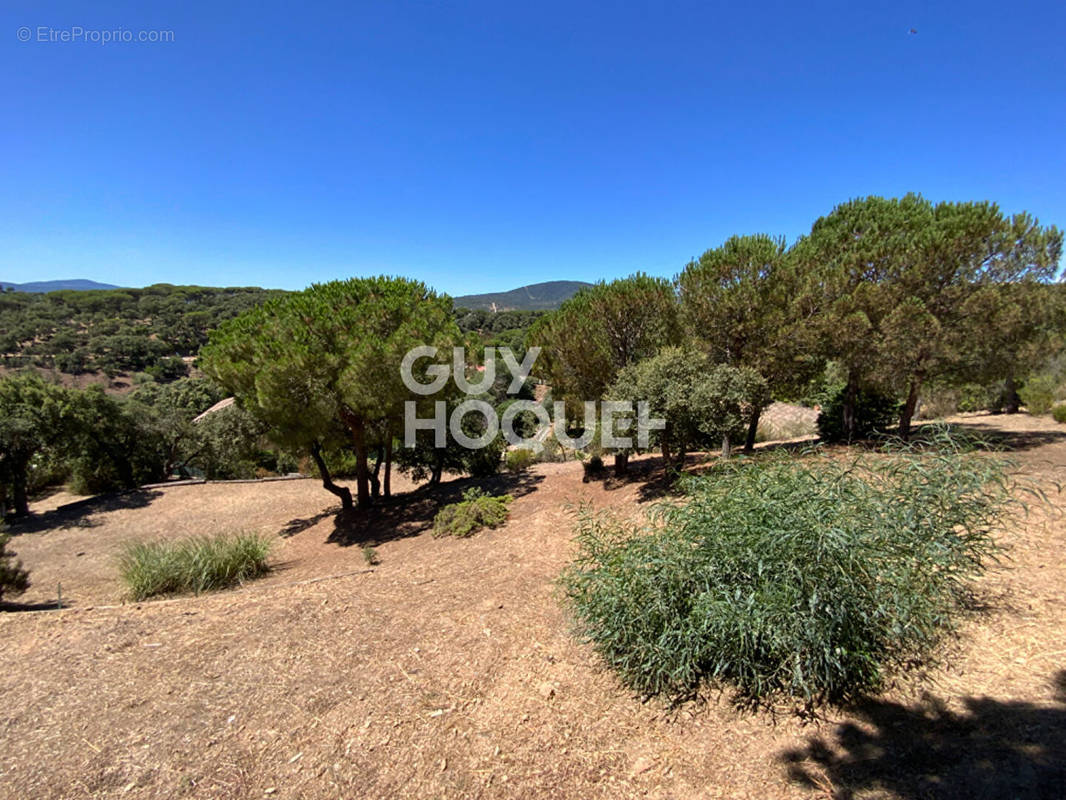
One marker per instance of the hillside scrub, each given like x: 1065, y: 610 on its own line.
x: 809, y: 578
x: 194, y: 565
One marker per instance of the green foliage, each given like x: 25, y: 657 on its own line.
x: 33, y: 421
x: 370, y: 556
x: 977, y: 397
x: 322, y: 365
x: 475, y: 511
x: 738, y: 301
x: 1038, y: 394
x: 197, y: 564
x: 485, y: 461
x: 901, y: 291
x: 701, y: 402
x: 129, y: 330
x: 13, y: 578
x: 808, y: 578
x: 602, y: 329
x: 874, y: 413
x: 519, y: 459
x: 1059, y: 413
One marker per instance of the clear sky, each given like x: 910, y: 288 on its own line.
x: 480, y: 146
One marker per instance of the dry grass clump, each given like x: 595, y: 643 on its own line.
x: 194, y: 565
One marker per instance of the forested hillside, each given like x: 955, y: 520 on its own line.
x: 126, y: 330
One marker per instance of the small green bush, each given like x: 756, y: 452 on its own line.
x: 593, y: 468
x: 197, y: 564
x: 1059, y: 413
x: 13, y: 578
x: 975, y: 397
x: 485, y: 462
x: 477, y: 510
x: 1038, y: 394
x: 874, y: 413
x: 519, y: 459
x: 807, y: 578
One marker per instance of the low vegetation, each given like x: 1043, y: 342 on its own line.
x: 808, y: 578
x: 1038, y: 394
x: 475, y: 511
x: 520, y: 459
x: 194, y: 565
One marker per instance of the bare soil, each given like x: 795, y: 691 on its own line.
x: 448, y: 670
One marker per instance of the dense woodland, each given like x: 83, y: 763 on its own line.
x: 127, y: 330
x: 884, y: 305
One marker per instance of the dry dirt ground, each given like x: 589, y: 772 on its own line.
x: 448, y: 670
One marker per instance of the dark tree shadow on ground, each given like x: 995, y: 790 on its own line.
x: 993, y: 749
x: 409, y: 513
x: 7, y: 605
x: 299, y: 525
x: 1010, y: 441
x: 76, y: 514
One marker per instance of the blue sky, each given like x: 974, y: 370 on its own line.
x: 482, y: 146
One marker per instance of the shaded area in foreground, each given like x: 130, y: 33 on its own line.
x: 994, y: 749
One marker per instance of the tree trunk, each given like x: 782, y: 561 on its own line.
x: 357, y: 425
x: 438, y: 470
x: 908, y: 410
x: 665, y: 444
x: 388, y: 465
x: 851, y: 394
x: 1012, y: 403
x: 375, y: 475
x: 727, y: 448
x: 327, y: 480
x: 753, y: 428
x: 18, y: 492
x: 621, y: 464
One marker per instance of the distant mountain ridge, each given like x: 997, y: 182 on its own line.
x: 535, y: 297
x: 39, y: 287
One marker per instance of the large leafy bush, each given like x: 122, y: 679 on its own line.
x: 810, y: 578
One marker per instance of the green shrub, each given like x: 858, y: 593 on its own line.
x: 484, y: 462
x: 975, y: 397
x: 477, y: 510
x: 13, y: 578
x: 519, y: 459
x: 1059, y: 413
x: 1038, y: 394
x: 197, y: 564
x: 593, y: 468
x: 874, y: 413
x: 807, y: 578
